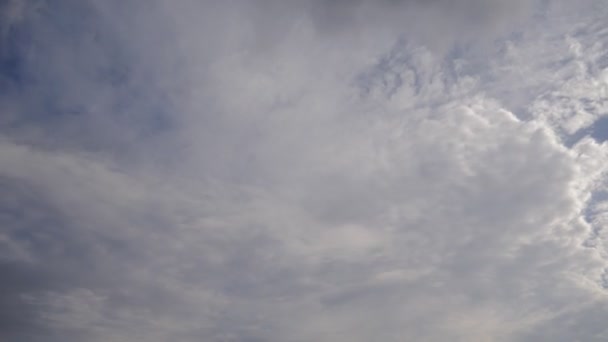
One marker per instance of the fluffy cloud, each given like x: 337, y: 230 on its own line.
x: 327, y: 170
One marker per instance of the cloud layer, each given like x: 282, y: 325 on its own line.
x: 310, y: 171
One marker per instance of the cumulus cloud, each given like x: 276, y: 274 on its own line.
x: 319, y: 170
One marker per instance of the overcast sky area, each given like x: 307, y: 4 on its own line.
x: 312, y: 170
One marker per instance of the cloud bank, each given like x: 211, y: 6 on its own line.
x: 303, y: 171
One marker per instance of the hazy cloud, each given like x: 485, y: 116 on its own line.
x: 297, y: 171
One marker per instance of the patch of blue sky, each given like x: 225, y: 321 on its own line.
x: 599, y: 129
x: 77, y: 81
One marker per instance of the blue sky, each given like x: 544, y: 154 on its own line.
x: 303, y: 170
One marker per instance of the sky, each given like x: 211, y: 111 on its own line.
x: 312, y: 170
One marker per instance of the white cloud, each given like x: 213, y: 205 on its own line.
x: 349, y: 177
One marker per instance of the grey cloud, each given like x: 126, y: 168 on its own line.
x: 331, y: 171
x: 437, y: 24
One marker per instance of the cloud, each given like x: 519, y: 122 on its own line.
x: 435, y: 21
x: 326, y: 170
